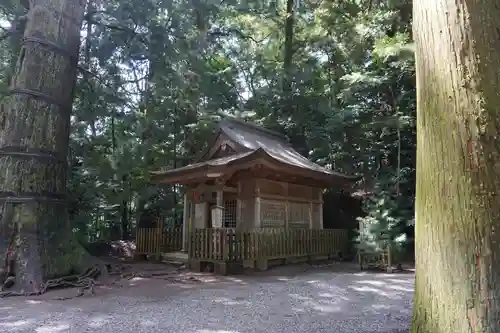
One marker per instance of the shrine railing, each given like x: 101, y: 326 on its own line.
x: 157, y: 240
x: 266, y: 243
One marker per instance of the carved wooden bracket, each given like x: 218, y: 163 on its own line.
x: 219, y: 182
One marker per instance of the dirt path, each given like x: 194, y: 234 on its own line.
x: 321, y: 300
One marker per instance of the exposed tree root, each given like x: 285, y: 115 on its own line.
x: 151, y: 275
x: 84, y: 282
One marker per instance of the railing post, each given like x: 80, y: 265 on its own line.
x: 185, y: 224
x: 190, y: 244
x: 159, y: 239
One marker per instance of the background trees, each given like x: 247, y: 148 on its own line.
x: 335, y: 76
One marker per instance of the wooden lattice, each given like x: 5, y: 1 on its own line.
x: 299, y: 214
x: 316, y: 216
x: 229, y: 216
x: 272, y: 214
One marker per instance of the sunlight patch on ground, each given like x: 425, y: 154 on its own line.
x: 185, y: 286
x: 17, y: 323
x: 393, y: 286
x: 232, y: 279
x: 372, y: 282
x: 208, y: 279
x: 98, y: 321
x: 283, y: 278
x: 400, y: 288
x: 32, y: 301
x: 228, y: 301
x: 137, y: 279
x: 215, y: 331
x: 323, y: 307
x: 148, y: 323
x: 330, y: 287
x: 409, y: 282
x: 368, y: 289
x: 298, y: 310
x: 53, y: 329
x: 6, y: 317
x: 336, y: 296
x: 381, y: 307
x: 300, y: 297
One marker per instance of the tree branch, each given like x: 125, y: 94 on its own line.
x: 228, y: 32
x: 5, y: 35
x: 25, y: 3
x: 116, y: 27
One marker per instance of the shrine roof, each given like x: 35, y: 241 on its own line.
x: 250, y: 142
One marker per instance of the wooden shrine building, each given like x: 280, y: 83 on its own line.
x: 251, y: 179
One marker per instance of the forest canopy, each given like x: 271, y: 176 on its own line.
x: 337, y: 77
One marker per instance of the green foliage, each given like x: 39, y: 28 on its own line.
x: 381, y: 222
x: 385, y: 223
x: 154, y: 74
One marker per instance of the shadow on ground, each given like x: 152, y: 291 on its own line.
x: 299, y: 299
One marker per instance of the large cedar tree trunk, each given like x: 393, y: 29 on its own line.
x: 458, y: 166
x: 34, y: 136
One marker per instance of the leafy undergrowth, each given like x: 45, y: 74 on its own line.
x: 121, y: 250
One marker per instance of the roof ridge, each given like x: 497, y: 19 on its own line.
x: 254, y: 126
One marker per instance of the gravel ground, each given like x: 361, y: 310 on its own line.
x: 313, y: 302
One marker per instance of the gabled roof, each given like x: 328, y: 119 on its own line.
x: 252, y: 142
x: 242, y: 135
x: 276, y: 145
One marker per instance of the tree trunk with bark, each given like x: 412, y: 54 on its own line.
x: 34, y: 137
x: 458, y: 166
x: 295, y: 130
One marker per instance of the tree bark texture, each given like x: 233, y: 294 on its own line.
x: 458, y: 166
x: 34, y: 137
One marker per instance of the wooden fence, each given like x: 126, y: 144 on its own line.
x: 228, y: 245
x: 266, y: 243
x: 157, y: 240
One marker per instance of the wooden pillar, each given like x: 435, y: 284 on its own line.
x: 320, y: 198
x: 218, y: 209
x: 200, y: 216
x: 311, y: 216
x: 389, y: 257
x: 257, y: 221
x: 239, y: 223
x: 287, y: 206
x: 185, y: 223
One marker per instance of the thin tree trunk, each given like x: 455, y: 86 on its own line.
x: 174, y: 165
x: 124, y: 220
x: 288, y: 49
x: 395, y: 108
x: 398, y: 166
x: 458, y: 167
x: 87, y: 105
x: 34, y: 137
x: 147, y: 139
x: 296, y: 132
x: 124, y: 217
